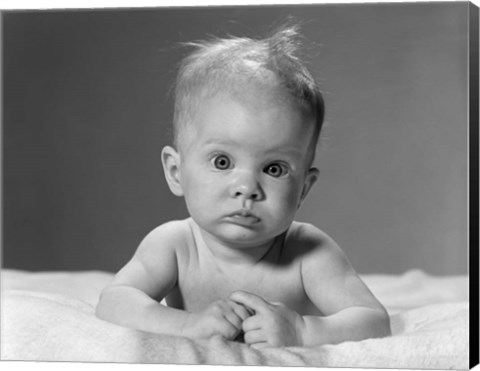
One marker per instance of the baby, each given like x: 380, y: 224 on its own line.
x: 247, y: 120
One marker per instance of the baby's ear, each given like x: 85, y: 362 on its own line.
x: 171, y: 168
x: 310, y: 180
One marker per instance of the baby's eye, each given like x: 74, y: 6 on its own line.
x: 221, y: 162
x: 276, y: 170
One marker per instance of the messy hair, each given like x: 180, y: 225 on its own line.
x: 232, y: 65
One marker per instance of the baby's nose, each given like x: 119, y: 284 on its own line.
x: 247, y: 193
x: 247, y: 187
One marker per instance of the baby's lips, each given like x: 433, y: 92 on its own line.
x: 245, y: 213
x: 244, y: 218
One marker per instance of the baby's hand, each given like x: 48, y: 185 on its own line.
x: 271, y: 325
x: 223, y: 317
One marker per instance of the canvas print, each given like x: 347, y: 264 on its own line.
x: 264, y: 185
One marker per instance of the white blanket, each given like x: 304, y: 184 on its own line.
x: 50, y: 316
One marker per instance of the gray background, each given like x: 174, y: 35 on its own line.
x: 87, y: 112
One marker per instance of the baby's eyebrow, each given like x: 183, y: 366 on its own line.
x: 287, y: 150
x: 232, y: 142
x: 220, y: 141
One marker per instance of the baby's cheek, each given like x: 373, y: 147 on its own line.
x: 287, y: 206
x: 292, y: 196
x: 202, y: 186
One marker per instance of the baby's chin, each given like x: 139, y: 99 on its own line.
x: 242, y: 237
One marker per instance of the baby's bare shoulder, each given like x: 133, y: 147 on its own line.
x: 153, y: 268
x: 308, y: 236
x: 308, y: 242
x: 166, y: 238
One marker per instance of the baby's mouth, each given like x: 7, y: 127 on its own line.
x: 244, y: 217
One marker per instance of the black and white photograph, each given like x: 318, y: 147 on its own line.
x: 241, y: 185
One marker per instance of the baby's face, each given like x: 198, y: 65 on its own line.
x: 245, y: 168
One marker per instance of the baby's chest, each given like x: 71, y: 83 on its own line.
x: 197, y: 289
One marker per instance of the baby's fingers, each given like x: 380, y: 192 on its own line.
x: 253, y: 323
x: 252, y: 301
x: 261, y: 345
x: 235, y: 314
x: 254, y: 337
x: 240, y: 310
x: 234, y: 320
x: 228, y: 330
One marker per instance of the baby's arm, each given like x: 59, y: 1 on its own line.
x: 132, y: 299
x: 350, y: 310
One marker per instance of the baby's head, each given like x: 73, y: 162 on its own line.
x: 251, y: 71
x: 247, y: 120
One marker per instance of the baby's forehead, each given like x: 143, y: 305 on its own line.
x: 266, y: 93
x: 256, y: 101
x: 256, y: 88
x: 256, y: 92
x: 253, y: 110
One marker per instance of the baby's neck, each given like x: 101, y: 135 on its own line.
x: 230, y: 254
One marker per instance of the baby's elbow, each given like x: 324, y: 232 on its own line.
x: 100, y: 309
x: 387, y: 327
x: 100, y: 312
x: 382, y: 324
x: 103, y: 310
